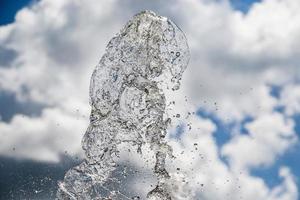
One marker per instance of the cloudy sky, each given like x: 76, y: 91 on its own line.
x: 242, y: 83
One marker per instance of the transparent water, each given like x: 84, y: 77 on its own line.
x: 127, y: 95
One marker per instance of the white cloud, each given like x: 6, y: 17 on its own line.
x: 207, y: 177
x: 286, y: 191
x: 290, y: 98
x: 234, y: 59
x: 269, y: 137
x: 55, y: 57
x: 43, y: 138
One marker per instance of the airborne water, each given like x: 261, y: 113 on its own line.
x: 127, y: 95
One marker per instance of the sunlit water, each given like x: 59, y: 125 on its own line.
x: 127, y: 95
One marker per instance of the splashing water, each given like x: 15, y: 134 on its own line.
x: 127, y: 96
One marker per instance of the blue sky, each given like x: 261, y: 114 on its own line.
x: 9, y: 8
x: 243, y: 5
x: 291, y: 158
x: 42, y: 88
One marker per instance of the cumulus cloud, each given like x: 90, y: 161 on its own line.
x: 269, y: 136
x: 206, y: 176
x: 52, y: 47
x: 54, y: 58
x: 290, y: 99
x: 43, y: 138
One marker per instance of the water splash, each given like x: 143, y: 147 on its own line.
x: 127, y: 96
